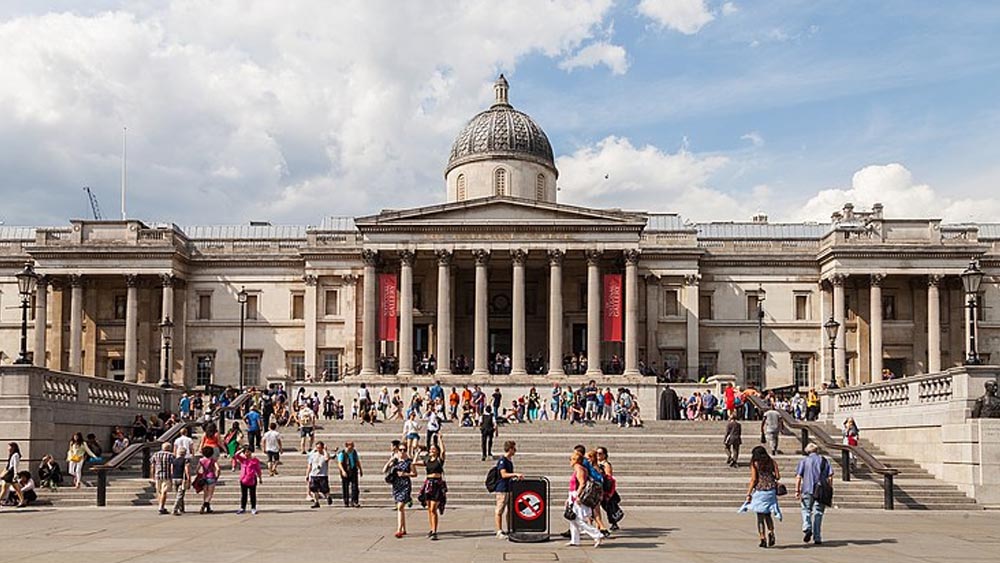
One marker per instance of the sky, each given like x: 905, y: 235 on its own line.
x: 290, y: 112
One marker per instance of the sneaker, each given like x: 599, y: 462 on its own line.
x: 253, y: 511
x: 606, y: 533
x: 501, y: 535
x: 615, y: 528
x: 807, y: 536
x: 598, y: 542
x: 571, y: 544
x: 329, y: 501
x: 314, y: 505
x: 164, y: 511
x: 565, y: 534
x: 240, y: 511
x: 177, y: 513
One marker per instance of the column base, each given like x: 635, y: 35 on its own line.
x: 518, y: 372
x: 481, y: 372
x: 594, y: 373
x: 405, y: 372
x: 366, y: 372
x: 554, y: 374
x: 440, y: 373
x: 631, y: 373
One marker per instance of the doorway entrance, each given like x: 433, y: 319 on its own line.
x: 579, y: 338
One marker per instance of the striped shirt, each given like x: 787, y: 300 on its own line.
x: 162, y: 462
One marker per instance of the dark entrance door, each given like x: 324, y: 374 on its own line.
x: 896, y: 365
x: 500, y: 341
x: 579, y: 338
x: 421, y: 340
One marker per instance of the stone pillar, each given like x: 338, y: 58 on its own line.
x: 822, y: 373
x: 167, y: 312
x: 692, y: 302
x: 653, y: 293
x: 368, y: 335
x: 349, y: 364
x: 518, y: 257
x: 933, y: 324
x: 406, y: 258
x: 839, y: 353
x: 444, y: 312
x: 131, y: 327
x: 593, y: 312
x: 41, y: 319
x: 631, y: 312
x: 310, y: 314
x: 76, y: 324
x: 555, y: 313
x: 481, y: 348
x: 875, y: 351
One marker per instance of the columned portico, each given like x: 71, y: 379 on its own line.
x: 406, y: 258
x: 518, y: 257
x: 876, y: 326
x: 41, y: 319
x: 131, y: 327
x: 631, y: 312
x: 839, y: 353
x: 555, y: 312
x: 593, y: 312
x: 443, y: 312
x: 933, y: 324
x: 369, y: 345
x: 76, y: 324
x: 481, y: 350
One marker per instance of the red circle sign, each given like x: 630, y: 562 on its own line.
x: 529, y: 505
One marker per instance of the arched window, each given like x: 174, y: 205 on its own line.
x: 460, y: 187
x: 540, y: 187
x: 500, y: 181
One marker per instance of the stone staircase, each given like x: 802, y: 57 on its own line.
x: 666, y: 464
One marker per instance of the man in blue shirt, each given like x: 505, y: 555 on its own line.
x: 185, y: 407
x: 437, y: 392
x: 506, y: 466
x: 812, y: 470
x: 253, y: 421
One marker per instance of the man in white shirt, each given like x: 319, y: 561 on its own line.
x: 272, y: 447
x: 433, y: 427
x: 184, y: 442
x: 318, y: 474
x: 307, y: 428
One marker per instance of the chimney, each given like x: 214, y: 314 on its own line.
x: 760, y: 218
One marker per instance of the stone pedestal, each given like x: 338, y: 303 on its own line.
x: 972, y: 458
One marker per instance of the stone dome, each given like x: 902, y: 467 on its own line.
x: 501, y: 132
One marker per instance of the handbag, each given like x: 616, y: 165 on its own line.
x: 569, y: 513
x: 823, y: 490
x: 198, y: 484
x: 8, y: 476
x: 782, y: 490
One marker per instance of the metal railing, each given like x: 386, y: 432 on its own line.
x: 811, y: 432
x: 146, y: 448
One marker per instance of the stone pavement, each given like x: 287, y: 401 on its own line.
x: 132, y: 534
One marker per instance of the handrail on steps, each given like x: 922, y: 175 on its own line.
x: 102, y: 470
x: 828, y: 444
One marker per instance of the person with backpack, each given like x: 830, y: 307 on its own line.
x: 350, y: 471
x: 578, y: 512
x: 611, y: 502
x: 504, y: 473
x: 488, y: 430
x: 814, y: 490
x: 598, y: 476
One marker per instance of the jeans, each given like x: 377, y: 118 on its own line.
x: 812, y: 516
x: 179, y: 486
x: 244, y: 489
x: 349, y: 488
x: 253, y: 439
x: 487, y: 443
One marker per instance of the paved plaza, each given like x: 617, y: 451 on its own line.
x: 130, y: 534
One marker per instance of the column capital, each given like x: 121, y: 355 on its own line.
x: 877, y: 280
x: 631, y: 256
x: 692, y: 279
x: 43, y: 281
x: 168, y: 280
x: 556, y: 256
x: 482, y: 256
x: 310, y: 280
x: 934, y: 280
x: 593, y: 256
x: 75, y: 280
x: 369, y: 257
x: 406, y: 257
x: 131, y: 280
x: 838, y: 279
x: 349, y: 279
x: 518, y: 256
x: 443, y: 256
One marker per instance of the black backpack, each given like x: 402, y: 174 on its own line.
x: 493, y: 478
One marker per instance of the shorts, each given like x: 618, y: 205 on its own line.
x: 273, y: 457
x: 413, y: 436
x: 502, y: 499
x: 319, y: 485
x: 210, y: 481
x: 164, y: 485
x: 306, y: 432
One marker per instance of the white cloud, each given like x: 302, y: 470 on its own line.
x: 601, y: 53
x: 236, y: 109
x: 614, y: 173
x: 685, y: 16
x: 754, y: 137
x: 892, y: 185
x: 729, y: 8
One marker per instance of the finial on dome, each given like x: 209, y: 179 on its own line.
x: 500, y: 87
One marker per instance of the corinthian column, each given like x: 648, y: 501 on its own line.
x: 41, y: 319
x: 631, y: 312
x: 368, y: 343
x: 76, y: 324
x: 839, y: 352
x: 555, y: 312
x: 131, y: 327
x: 518, y: 257
x: 876, y: 327
x: 406, y: 258
x: 593, y: 312
x: 933, y: 324
x: 444, y: 312
x: 481, y: 348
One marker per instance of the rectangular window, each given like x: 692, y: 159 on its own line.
x: 331, y: 303
x: 753, y: 304
x: 981, y: 310
x: 670, y: 304
x: 204, y: 306
x: 673, y: 359
x: 705, y: 306
x: 296, y: 365
x: 298, y: 306
x: 204, y: 368
x: 331, y: 366
x: 802, y: 307
x: 752, y: 373
x: 251, y: 305
x: 889, y: 307
x: 251, y: 368
x: 708, y: 364
x: 801, y: 364
x: 121, y: 304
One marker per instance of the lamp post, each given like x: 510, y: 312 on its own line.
x: 26, y: 280
x: 761, y: 296
x: 972, y: 278
x: 167, y: 335
x: 242, y: 298
x: 832, y: 327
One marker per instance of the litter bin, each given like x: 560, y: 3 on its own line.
x: 528, y: 510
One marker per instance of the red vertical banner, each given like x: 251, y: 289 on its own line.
x: 388, y: 308
x: 612, y: 307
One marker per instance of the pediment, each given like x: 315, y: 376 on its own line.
x: 503, y: 212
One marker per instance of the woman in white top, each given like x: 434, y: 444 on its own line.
x: 411, y: 433
x: 9, y: 475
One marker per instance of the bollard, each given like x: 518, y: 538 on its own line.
x: 889, y: 499
x: 102, y: 487
x: 146, y: 469
x: 845, y: 462
x: 805, y: 440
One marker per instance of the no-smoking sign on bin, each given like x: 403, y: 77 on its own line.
x: 529, y: 510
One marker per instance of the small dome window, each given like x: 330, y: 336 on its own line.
x: 540, y: 187
x: 500, y: 181
x: 460, y: 188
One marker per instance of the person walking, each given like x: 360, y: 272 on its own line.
x: 183, y: 442
x: 505, y: 468
x: 411, y: 432
x: 851, y: 436
x: 210, y: 439
x: 488, y: 430
x: 250, y: 477
x: 583, y: 515
x: 762, y: 494
x: 207, y: 476
x: 76, y: 454
x: 272, y: 447
x: 350, y: 471
x: 307, y: 428
x: 433, y: 423
x: 733, y: 439
x: 9, y: 477
x: 399, y: 472
x: 770, y: 427
x: 611, y: 500
x: 253, y: 421
x: 813, y: 471
x: 318, y: 474
x: 434, y: 493
x: 180, y: 474
x: 163, y: 465
x: 812, y: 405
x: 232, y: 443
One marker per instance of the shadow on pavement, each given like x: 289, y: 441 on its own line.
x: 836, y: 543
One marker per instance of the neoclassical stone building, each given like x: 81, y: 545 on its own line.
x: 502, y: 267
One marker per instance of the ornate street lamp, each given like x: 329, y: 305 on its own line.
x: 26, y: 280
x: 167, y: 335
x: 242, y: 298
x: 972, y: 278
x: 832, y: 327
x: 761, y: 296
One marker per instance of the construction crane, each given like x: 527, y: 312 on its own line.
x: 94, y: 206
